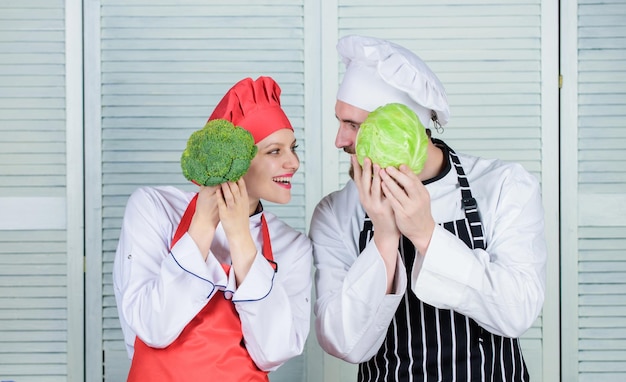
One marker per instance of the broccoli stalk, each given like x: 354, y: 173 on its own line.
x: 219, y: 152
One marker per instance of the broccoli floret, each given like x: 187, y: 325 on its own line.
x: 219, y: 152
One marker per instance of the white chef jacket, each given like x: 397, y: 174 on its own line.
x: 159, y: 292
x: 501, y: 288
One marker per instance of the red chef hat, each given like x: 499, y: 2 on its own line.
x: 255, y: 106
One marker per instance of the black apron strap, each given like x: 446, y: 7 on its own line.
x: 467, y: 200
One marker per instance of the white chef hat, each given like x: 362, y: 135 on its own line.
x: 379, y: 72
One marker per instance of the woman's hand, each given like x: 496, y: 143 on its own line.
x: 234, y: 208
x: 234, y: 211
x: 205, y: 219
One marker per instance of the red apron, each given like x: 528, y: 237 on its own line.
x: 211, y: 347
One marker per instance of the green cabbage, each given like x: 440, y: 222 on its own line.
x: 393, y: 135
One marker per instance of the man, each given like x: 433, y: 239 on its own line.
x: 428, y: 277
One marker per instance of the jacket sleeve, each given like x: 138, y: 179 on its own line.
x: 274, y: 305
x: 352, y: 309
x: 501, y: 288
x: 158, y: 292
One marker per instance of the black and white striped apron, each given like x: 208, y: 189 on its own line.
x: 424, y: 343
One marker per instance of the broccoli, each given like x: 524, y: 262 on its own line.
x: 219, y: 152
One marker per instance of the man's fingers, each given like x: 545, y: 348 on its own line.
x: 393, y: 186
x: 409, y: 182
x: 356, y: 172
x: 376, y: 182
x: 398, y: 176
x: 366, y: 176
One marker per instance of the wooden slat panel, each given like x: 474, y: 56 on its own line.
x: 32, y: 97
x: 602, y: 184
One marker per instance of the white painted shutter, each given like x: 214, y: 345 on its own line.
x: 164, y: 67
x: 40, y: 196
x: 595, y: 144
x: 488, y: 55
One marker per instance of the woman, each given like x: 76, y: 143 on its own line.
x: 210, y: 287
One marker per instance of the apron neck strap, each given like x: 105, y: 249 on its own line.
x: 185, y: 222
x: 469, y: 204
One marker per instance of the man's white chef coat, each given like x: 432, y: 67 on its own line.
x: 501, y: 288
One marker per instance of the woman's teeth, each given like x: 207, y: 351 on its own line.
x: 283, y: 180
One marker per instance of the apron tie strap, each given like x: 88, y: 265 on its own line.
x: 185, y: 222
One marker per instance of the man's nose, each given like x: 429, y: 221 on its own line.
x: 344, y: 138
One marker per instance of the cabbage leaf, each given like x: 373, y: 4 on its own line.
x: 393, y: 135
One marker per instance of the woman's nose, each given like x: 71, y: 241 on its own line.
x: 293, y: 161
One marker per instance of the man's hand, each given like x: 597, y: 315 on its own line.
x: 379, y: 210
x: 410, y: 201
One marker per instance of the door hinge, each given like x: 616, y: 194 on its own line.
x: 560, y: 81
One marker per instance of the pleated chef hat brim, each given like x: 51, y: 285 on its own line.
x: 379, y: 72
x: 255, y: 106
